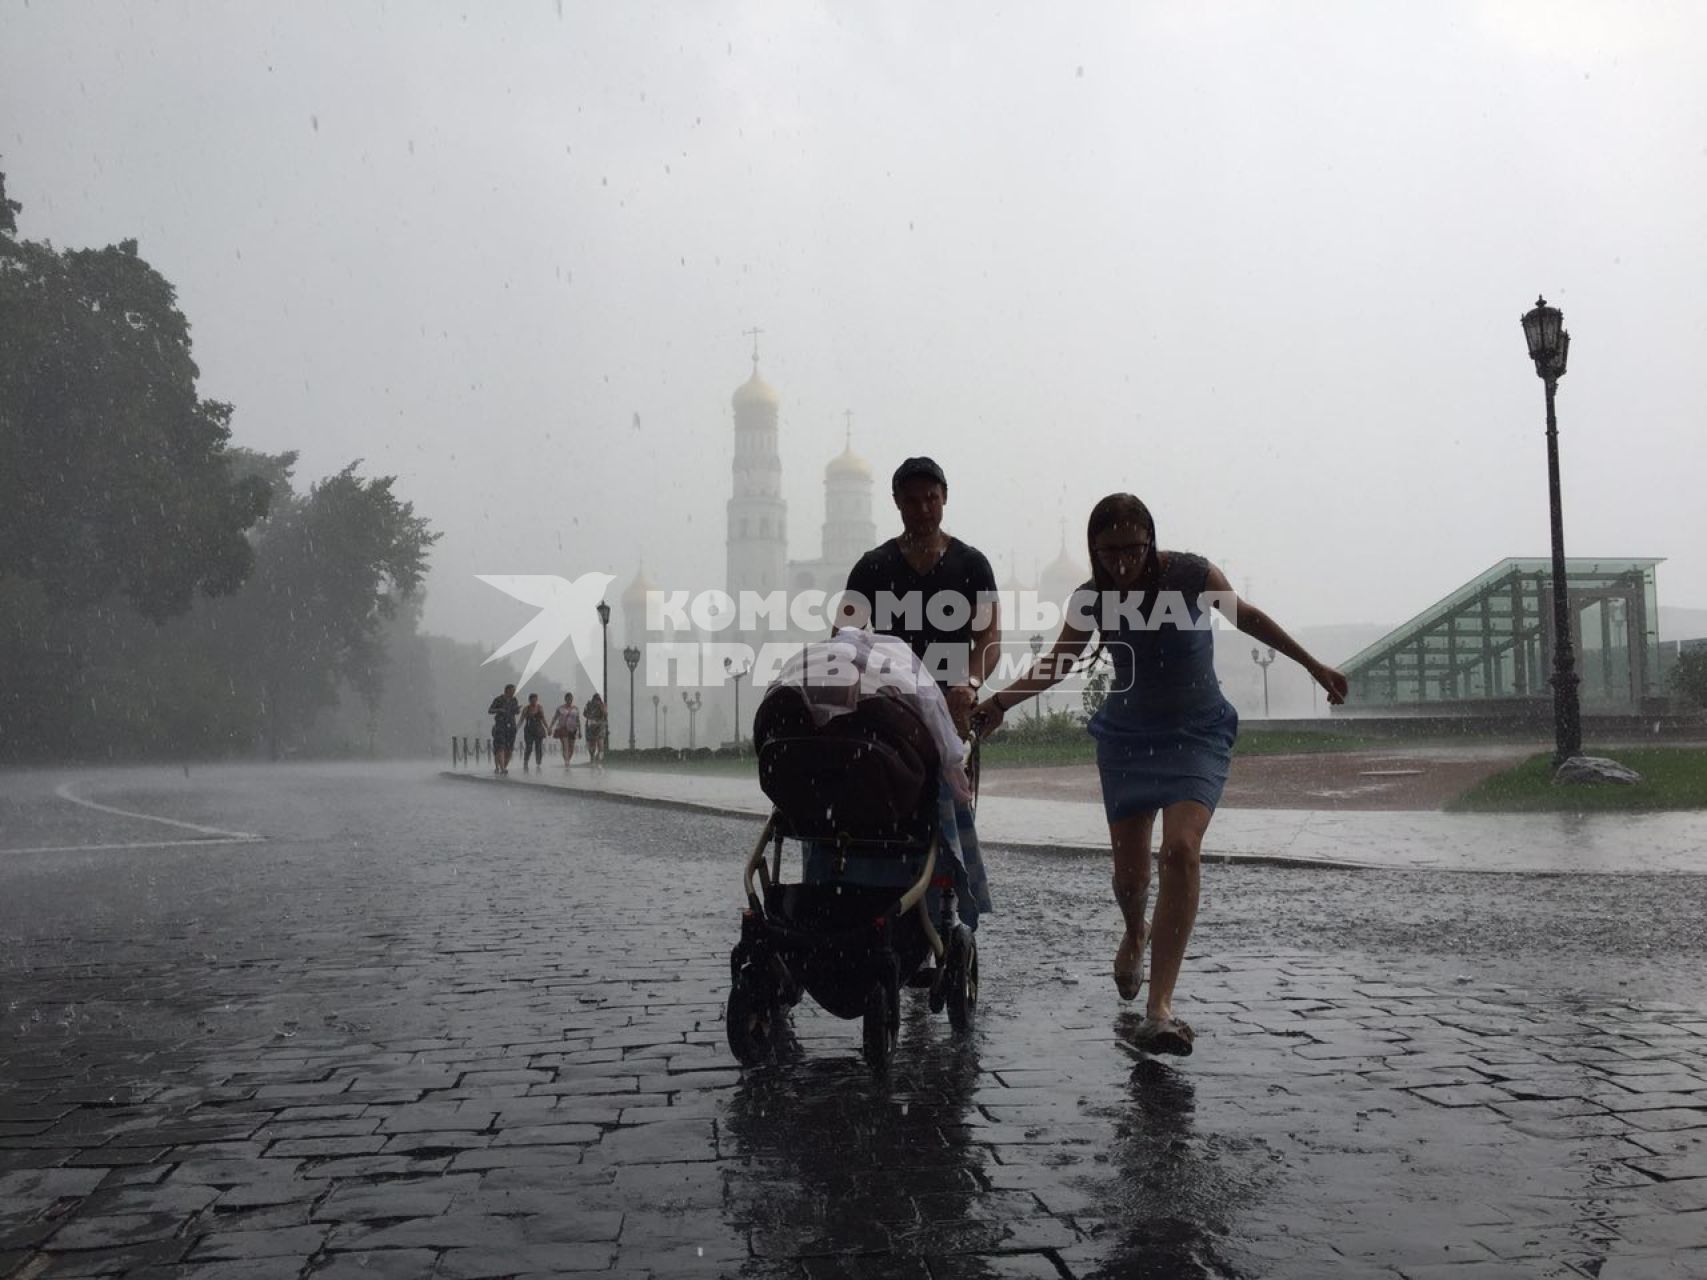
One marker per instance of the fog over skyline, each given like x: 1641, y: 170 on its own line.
x: 1260, y: 264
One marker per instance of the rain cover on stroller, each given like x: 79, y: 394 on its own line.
x: 853, y: 736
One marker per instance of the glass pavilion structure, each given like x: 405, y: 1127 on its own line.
x: 1489, y: 644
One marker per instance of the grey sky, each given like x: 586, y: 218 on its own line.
x: 1260, y: 264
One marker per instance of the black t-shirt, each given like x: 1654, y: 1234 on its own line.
x: 937, y: 612
x: 504, y: 712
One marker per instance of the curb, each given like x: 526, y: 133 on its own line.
x: 1006, y: 846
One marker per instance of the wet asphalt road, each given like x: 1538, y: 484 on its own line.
x: 430, y: 1027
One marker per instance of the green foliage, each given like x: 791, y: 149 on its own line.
x: 114, y: 474
x: 1672, y: 778
x: 330, y: 569
x: 1023, y: 726
x: 161, y: 592
x: 1689, y: 677
x: 9, y: 211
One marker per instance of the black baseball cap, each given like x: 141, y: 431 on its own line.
x: 926, y: 467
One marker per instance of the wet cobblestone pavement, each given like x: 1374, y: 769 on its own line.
x: 433, y: 1029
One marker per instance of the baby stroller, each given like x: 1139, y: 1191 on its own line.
x: 863, y: 788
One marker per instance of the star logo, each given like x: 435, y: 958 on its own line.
x: 567, y: 611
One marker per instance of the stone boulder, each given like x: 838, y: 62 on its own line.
x: 1594, y: 769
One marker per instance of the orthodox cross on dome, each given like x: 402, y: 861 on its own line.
x: 753, y: 333
x: 847, y: 439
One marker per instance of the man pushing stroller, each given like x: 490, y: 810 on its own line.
x: 938, y: 595
x: 862, y: 751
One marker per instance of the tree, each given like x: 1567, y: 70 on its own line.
x: 115, y: 478
x: 330, y: 570
x: 1689, y: 676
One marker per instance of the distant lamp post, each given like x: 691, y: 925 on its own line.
x: 1265, y: 664
x: 630, y: 655
x: 1549, y: 346
x: 692, y: 701
x: 604, y: 667
x: 666, y: 722
x: 654, y: 720
x: 1036, y: 643
x: 736, y: 673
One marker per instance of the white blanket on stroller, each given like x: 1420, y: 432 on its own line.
x: 836, y: 674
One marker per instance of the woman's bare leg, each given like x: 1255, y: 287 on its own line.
x: 1180, y: 856
x: 1130, y: 839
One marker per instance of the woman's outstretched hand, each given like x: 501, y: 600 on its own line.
x: 1333, y: 681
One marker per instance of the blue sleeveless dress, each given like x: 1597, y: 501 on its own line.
x: 1167, y: 734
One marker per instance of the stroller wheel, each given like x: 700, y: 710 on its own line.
x: 881, y: 1024
x: 961, y: 980
x: 750, y: 1019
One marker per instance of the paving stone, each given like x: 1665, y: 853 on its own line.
x: 1669, y: 1118
x: 537, y: 1063
x: 91, y: 1231
x: 377, y: 1264
x: 665, y: 1142
x: 546, y: 1135
x: 386, y: 1200
x: 283, y: 1242
x: 1463, y: 1095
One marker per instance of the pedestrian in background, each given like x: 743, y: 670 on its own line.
x: 596, y: 722
x: 566, y: 727
x: 534, y: 732
x: 504, y: 711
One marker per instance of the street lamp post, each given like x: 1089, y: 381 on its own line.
x: 1549, y: 347
x: 1036, y: 643
x: 630, y: 655
x: 604, y: 665
x: 1265, y: 664
x: 736, y: 673
x: 692, y: 701
x: 666, y: 722
x: 654, y: 720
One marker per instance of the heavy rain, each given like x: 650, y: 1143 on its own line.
x: 1104, y: 612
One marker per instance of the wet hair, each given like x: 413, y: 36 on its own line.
x: 1116, y: 511
x: 533, y: 697
x: 509, y: 688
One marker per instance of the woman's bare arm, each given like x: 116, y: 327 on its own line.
x: 1265, y: 630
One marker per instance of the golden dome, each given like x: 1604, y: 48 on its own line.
x: 755, y: 391
x: 1062, y: 576
x: 849, y: 464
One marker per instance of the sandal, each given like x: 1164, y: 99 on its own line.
x: 1163, y: 1035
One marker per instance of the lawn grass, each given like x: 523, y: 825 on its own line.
x: 1672, y: 778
